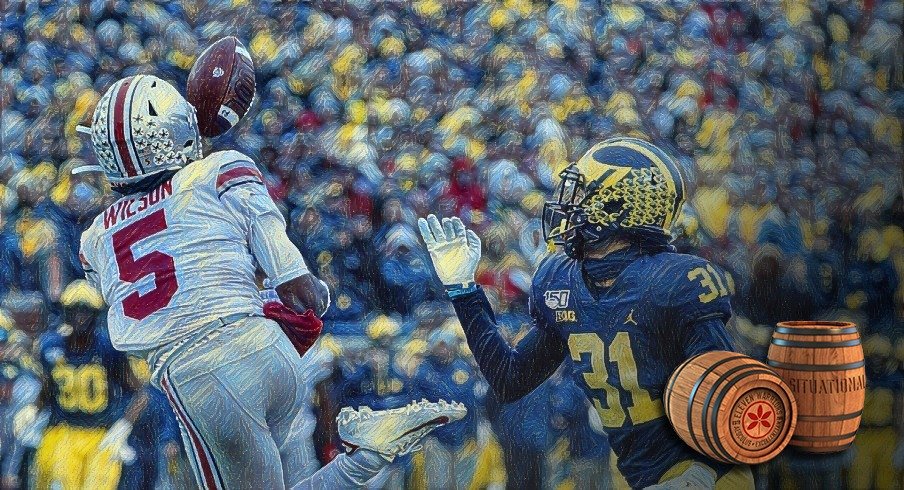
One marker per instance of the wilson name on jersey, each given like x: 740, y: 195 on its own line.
x: 173, y: 260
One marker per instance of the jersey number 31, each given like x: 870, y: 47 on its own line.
x: 642, y: 408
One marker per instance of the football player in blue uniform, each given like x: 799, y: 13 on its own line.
x: 93, y: 398
x: 619, y: 305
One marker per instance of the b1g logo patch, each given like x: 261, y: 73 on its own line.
x: 757, y: 419
x: 566, y: 316
x: 557, y: 299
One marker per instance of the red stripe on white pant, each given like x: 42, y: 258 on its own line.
x: 205, y: 466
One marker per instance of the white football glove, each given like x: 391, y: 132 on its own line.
x: 696, y: 476
x: 454, y: 249
x: 29, y: 424
x: 116, y: 441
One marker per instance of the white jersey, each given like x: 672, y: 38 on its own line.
x: 175, y: 259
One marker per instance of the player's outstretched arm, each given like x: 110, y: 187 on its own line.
x: 265, y: 226
x: 512, y: 372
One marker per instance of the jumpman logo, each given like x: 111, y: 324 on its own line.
x: 630, y: 318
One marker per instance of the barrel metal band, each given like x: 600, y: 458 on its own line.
x: 668, y: 392
x: 725, y: 378
x: 829, y: 418
x: 819, y: 345
x: 715, y: 414
x: 824, y: 438
x: 816, y: 331
x: 690, y: 399
x: 816, y: 367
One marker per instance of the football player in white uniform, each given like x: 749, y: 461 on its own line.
x: 175, y: 259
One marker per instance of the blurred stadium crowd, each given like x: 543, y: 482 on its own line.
x: 785, y: 116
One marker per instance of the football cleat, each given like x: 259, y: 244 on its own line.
x: 396, y: 431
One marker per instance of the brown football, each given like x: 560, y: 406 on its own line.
x: 221, y: 86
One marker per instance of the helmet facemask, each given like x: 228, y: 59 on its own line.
x: 562, y: 217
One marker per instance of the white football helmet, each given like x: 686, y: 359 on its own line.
x: 141, y: 126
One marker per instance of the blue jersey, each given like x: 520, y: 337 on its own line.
x: 570, y: 403
x: 624, y: 343
x: 87, y: 389
x: 528, y: 424
x: 621, y: 341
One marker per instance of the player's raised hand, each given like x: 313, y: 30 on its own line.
x: 454, y: 249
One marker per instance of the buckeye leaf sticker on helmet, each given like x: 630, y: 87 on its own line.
x: 622, y: 186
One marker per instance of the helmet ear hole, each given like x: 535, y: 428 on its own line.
x: 188, y: 143
x: 151, y: 109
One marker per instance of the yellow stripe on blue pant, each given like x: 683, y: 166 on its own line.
x: 68, y: 458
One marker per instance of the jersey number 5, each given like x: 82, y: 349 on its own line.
x: 642, y: 408
x: 156, y: 263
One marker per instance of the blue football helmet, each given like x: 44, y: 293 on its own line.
x: 620, y: 187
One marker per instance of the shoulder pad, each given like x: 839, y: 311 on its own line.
x: 688, y: 288
x: 224, y: 160
x: 236, y: 169
x: 209, y: 168
x: 551, y: 267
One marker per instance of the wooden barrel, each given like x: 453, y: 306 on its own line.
x: 730, y: 407
x: 822, y: 363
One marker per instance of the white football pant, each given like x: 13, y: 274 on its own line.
x: 240, y: 397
